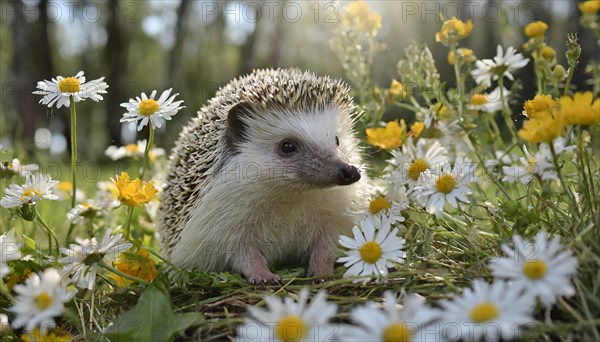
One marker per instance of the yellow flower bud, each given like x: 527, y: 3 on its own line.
x: 536, y: 29
x: 589, y: 7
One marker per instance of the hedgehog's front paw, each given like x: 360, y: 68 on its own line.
x: 263, y: 277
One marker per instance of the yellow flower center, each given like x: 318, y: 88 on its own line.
x: 484, y: 312
x: 445, y: 183
x: 43, y: 301
x: 69, y: 85
x: 132, y: 147
x: 65, y: 186
x: 416, y: 168
x: 531, y: 162
x: 479, y: 99
x: 396, y: 332
x: 535, y: 269
x: 148, y: 107
x: 378, y: 204
x: 371, y: 252
x: 291, y: 329
x: 30, y: 193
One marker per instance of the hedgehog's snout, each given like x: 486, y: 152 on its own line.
x: 347, y: 174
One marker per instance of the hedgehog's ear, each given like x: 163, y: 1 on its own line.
x: 236, y: 128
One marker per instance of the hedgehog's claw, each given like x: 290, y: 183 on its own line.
x: 264, y: 279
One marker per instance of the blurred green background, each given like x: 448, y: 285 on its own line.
x: 198, y: 46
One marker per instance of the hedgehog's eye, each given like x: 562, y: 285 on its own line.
x: 287, y: 147
x: 337, y: 141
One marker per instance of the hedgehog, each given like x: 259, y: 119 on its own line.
x: 262, y: 176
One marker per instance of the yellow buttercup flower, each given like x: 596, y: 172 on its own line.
x: 545, y: 126
x: 137, y: 264
x: 536, y: 29
x: 540, y: 103
x: 467, y: 56
x: 590, y: 7
x: 417, y: 128
x: 396, y: 89
x: 54, y: 335
x: 454, y: 29
x: 389, y: 137
x: 581, y: 109
x: 359, y: 15
x: 134, y: 193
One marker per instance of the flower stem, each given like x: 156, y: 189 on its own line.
x: 73, y: 148
x: 128, y: 224
x: 459, y: 80
x: 147, y: 151
x: 48, y: 230
x: 584, y: 160
x: 570, y: 74
x: 506, y: 111
x: 560, y: 176
x: 123, y: 274
x: 4, y: 290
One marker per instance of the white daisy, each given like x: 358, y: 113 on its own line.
x: 372, y: 251
x: 9, y: 250
x: 394, y: 323
x: 502, y: 65
x: 382, y: 206
x: 493, y: 311
x: 88, y: 209
x: 286, y: 320
x: 502, y: 159
x: 490, y: 102
x: 82, y: 259
x: 39, y: 300
x: 135, y: 151
x: 36, y: 188
x: 64, y: 190
x: 541, y: 163
x: 447, y: 185
x: 14, y: 167
x: 407, y: 164
x: 61, y: 88
x: 541, y: 268
x: 147, y: 109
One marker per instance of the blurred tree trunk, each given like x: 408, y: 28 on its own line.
x: 176, y: 53
x: 247, y: 53
x: 277, y: 40
x: 115, y: 57
x: 32, y: 62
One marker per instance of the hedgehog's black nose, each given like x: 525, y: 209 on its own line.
x: 347, y: 174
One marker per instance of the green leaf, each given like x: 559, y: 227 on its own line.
x: 152, y: 319
x: 29, y: 242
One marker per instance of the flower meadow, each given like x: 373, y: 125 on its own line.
x: 480, y: 222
